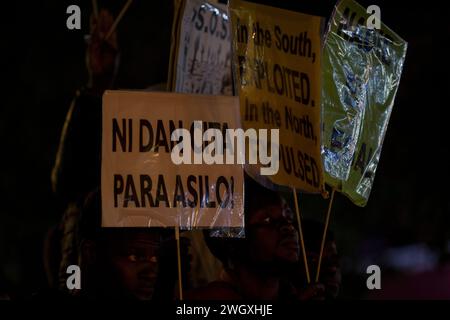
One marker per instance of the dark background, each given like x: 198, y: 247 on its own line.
x: 44, y: 65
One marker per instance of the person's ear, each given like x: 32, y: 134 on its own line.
x: 88, y: 252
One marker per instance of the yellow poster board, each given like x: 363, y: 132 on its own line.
x: 277, y: 61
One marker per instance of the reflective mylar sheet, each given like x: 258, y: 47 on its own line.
x: 362, y: 67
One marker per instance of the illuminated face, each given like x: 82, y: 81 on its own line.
x: 133, y: 264
x: 273, y: 236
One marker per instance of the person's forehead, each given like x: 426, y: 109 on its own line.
x: 135, y: 238
x: 275, y: 211
x: 269, y: 210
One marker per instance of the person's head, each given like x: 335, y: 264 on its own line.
x: 271, y: 240
x: 330, y: 271
x: 118, y: 262
x: 272, y: 236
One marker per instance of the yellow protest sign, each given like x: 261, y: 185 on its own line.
x: 277, y: 59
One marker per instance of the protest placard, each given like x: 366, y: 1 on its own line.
x: 362, y: 67
x: 143, y: 185
x: 201, y: 49
x: 277, y: 56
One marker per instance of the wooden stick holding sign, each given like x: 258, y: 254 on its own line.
x: 119, y: 17
x: 305, y: 260
x: 322, y: 245
x: 180, y: 283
